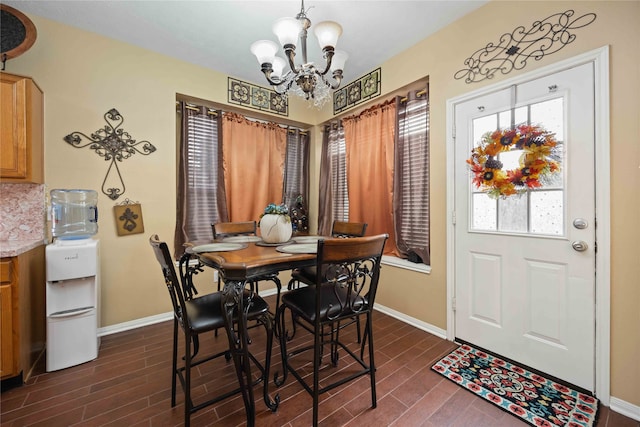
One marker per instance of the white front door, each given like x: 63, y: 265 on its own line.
x: 525, y: 265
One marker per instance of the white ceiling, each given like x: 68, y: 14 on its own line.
x: 217, y: 34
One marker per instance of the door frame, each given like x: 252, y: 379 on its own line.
x: 600, y: 59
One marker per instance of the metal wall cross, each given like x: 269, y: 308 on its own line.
x: 114, y: 144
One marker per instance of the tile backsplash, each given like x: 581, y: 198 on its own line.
x: 22, y: 211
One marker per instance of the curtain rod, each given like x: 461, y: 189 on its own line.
x: 209, y: 111
x: 418, y: 94
x: 215, y: 114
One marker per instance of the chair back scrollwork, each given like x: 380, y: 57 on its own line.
x: 351, y: 267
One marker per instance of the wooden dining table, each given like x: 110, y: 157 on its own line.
x: 238, y: 268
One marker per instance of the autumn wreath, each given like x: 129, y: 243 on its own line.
x: 537, y: 162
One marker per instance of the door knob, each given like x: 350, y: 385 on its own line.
x: 579, y: 245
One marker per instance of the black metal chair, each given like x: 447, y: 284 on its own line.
x: 346, y: 288
x: 198, y: 315
x: 341, y: 229
x: 227, y: 229
x: 307, y: 275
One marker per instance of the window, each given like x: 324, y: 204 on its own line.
x: 296, y: 167
x: 199, y: 178
x: 411, y: 177
x: 409, y: 207
x: 338, y: 153
x: 540, y: 211
x: 202, y: 198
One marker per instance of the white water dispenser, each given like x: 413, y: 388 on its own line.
x: 73, y: 280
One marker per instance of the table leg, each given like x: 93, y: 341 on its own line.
x: 233, y: 302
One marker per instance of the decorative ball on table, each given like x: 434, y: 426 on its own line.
x: 275, y: 224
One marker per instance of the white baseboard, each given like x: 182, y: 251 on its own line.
x: 625, y: 408
x: 163, y: 317
x: 427, y: 327
x: 133, y: 324
x: 617, y: 405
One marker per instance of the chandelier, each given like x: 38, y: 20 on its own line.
x: 311, y: 82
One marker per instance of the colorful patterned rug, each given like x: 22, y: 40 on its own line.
x: 526, y: 395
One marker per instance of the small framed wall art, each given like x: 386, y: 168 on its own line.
x: 128, y: 216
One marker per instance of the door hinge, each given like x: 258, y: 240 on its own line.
x: 453, y: 217
x: 453, y: 304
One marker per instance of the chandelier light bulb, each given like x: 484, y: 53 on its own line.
x: 278, y: 68
x: 287, y: 30
x: 265, y: 51
x: 339, y: 59
x: 327, y: 33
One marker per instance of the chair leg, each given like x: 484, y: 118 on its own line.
x: 364, y: 341
x: 372, y: 365
x: 188, y: 404
x: 316, y: 372
x: 278, y: 283
x: 174, y: 362
x: 196, y: 346
x: 215, y: 333
x: 334, y: 339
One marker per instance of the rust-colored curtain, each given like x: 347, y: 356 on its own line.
x: 369, y: 140
x: 253, y: 161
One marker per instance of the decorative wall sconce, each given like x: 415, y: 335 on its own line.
x: 513, y: 50
x: 114, y: 144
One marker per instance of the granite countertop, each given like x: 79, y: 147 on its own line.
x: 10, y: 248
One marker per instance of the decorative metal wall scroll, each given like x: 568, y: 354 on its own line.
x: 363, y: 89
x: 256, y: 97
x: 514, y: 49
x: 114, y: 144
x: 128, y: 218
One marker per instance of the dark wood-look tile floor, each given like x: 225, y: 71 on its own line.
x: 129, y: 385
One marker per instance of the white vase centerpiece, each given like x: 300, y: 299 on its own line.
x: 275, y: 224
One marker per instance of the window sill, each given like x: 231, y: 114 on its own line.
x: 407, y: 265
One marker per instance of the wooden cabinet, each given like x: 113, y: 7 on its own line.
x: 8, y: 363
x: 22, y: 312
x: 22, y: 136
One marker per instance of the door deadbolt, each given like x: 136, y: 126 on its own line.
x: 580, y: 223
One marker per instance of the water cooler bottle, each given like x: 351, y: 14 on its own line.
x: 73, y: 280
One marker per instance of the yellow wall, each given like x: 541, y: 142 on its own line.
x: 84, y: 75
